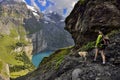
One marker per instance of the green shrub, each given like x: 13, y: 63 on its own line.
x: 25, y: 63
x: 6, y: 47
x: 54, y: 60
x: 13, y: 33
x: 1, y: 66
x: 88, y: 46
x: 82, y: 1
x: 7, y: 55
x: 113, y: 32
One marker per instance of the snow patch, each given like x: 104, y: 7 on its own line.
x: 47, y: 18
x: 19, y: 0
x: 23, y: 1
x: 46, y: 22
x: 35, y: 14
x: 31, y: 8
x: 62, y: 20
x: 34, y: 11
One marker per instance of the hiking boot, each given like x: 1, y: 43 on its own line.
x: 94, y: 61
x: 104, y: 63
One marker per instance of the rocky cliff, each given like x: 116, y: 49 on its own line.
x: 51, y: 34
x: 83, y: 22
x: 12, y: 35
x: 92, y: 15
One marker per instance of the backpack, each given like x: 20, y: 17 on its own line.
x: 105, y: 41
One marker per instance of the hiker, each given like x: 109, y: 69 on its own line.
x: 101, y: 44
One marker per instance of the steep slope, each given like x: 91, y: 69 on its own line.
x: 13, y: 39
x: 12, y: 15
x: 82, y: 23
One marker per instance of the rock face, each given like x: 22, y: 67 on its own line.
x: 51, y: 34
x: 89, y: 16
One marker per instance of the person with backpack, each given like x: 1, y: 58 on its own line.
x: 101, y: 44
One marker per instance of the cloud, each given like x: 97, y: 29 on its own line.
x: 62, y: 4
x: 18, y: 0
x: 42, y: 2
x: 34, y: 4
x: 54, y: 5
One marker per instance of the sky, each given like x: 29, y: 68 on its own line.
x: 63, y: 7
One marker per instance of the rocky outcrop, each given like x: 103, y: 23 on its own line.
x: 12, y: 15
x: 92, y: 15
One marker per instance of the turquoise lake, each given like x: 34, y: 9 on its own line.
x: 37, y: 58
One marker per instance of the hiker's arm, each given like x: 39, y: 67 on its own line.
x: 98, y: 40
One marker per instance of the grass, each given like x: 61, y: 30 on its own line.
x: 88, y: 46
x: 60, y: 57
x: 24, y: 68
x: 82, y: 1
x: 8, y: 42
x: 113, y: 32
x: 54, y: 60
x: 17, y: 61
x: 14, y: 75
x: 5, y: 46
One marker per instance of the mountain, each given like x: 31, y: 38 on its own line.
x: 25, y: 31
x: 52, y: 34
x: 86, y: 18
x: 46, y: 31
x: 14, y: 53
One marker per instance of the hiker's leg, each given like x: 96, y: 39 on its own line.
x: 85, y: 58
x: 96, y: 53
x: 103, y: 56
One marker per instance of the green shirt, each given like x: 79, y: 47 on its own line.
x: 99, y: 38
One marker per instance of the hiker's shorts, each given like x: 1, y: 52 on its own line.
x: 103, y: 47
